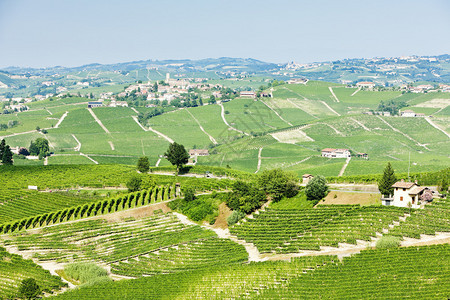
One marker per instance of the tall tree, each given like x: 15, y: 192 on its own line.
x: 177, y: 155
x: 29, y: 289
x: 386, y: 182
x: 143, y: 165
x: 7, y: 156
x: 2, y: 147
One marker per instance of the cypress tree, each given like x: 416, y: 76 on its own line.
x: 2, y: 148
x: 7, y: 156
x: 386, y: 182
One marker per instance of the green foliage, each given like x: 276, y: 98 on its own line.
x: 387, y: 242
x: 143, y: 165
x: 245, y: 197
x: 278, y: 183
x: 39, y: 147
x: 134, y: 183
x: 7, y: 156
x: 316, y: 188
x: 189, y: 194
x: 386, y: 182
x: 201, y: 208
x: 86, y: 273
x: 235, y: 217
x: 29, y: 289
x: 148, y: 182
x: 177, y: 155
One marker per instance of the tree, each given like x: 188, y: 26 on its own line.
x: 386, y: 182
x: 317, y: 188
x: 2, y: 147
x: 278, y: 183
x: 177, y: 155
x: 134, y: 184
x: 38, y: 128
x: 143, y: 164
x: 246, y: 197
x: 7, y: 156
x: 189, y: 194
x: 39, y: 147
x: 29, y: 289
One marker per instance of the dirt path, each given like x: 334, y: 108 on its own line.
x: 98, y: 120
x: 298, y: 162
x: 62, y: 119
x: 296, y: 105
x: 226, y: 123
x: 341, y: 172
x: 213, y: 140
x: 259, y: 160
x: 361, y: 124
x: 329, y: 107
x: 354, y: 93
x: 253, y: 253
x: 332, y: 127
x: 112, y: 145
x: 135, y: 110
x: 157, y: 162
x: 91, y: 159
x: 281, y: 118
x: 402, y: 133
x: 78, y: 147
x: 153, y: 130
x: 332, y: 93
x: 437, y: 127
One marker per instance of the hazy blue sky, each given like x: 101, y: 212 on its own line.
x: 40, y: 33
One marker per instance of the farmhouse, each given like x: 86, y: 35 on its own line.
x: 365, y: 84
x: 115, y: 103
x: 408, y: 193
x: 362, y: 155
x: 297, y: 81
x: 335, y: 153
x: 248, y: 94
x: 306, y: 178
x: 408, y: 113
x: 198, y: 152
x: 93, y: 104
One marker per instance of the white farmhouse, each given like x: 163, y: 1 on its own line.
x: 336, y: 153
x: 408, y: 113
x: 408, y: 192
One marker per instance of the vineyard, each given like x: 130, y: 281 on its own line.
x: 104, y: 206
x: 291, y: 230
x: 13, y: 269
x: 414, y: 272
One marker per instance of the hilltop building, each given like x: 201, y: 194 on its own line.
x: 297, y: 81
x: 92, y: 104
x: 366, y: 84
x: 408, y: 113
x: 336, y: 153
x: 198, y: 152
x: 408, y: 192
x: 248, y: 94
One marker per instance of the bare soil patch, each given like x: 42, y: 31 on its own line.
x: 224, y: 213
x: 137, y: 213
x: 335, y: 197
x: 434, y: 103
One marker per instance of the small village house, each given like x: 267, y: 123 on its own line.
x: 306, y: 178
x: 248, y: 94
x: 198, y: 152
x: 408, y: 113
x: 408, y: 193
x: 92, y: 104
x: 366, y: 84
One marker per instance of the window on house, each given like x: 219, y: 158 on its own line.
x: 401, y: 198
x: 404, y: 189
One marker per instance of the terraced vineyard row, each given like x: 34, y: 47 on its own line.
x: 218, y: 282
x: 13, y: 269
x: 433, y: 218
x: 413, y: 273
x: 287, y: 230
x: 194, y: 255
x: 98, y: 240
x: 20, y: 204
x: 103, y: 206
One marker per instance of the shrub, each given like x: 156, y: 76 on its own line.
x: 188, y: 194
x: 86, y: 273
x: 235, y: 217
x: 29, y: 289
x: 134, y: 184
x: 317, y: 188
x: 143, y: 165
x: 387, y: 242
x: 278, y: 183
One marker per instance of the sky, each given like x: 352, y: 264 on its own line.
x: 46, y: 33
